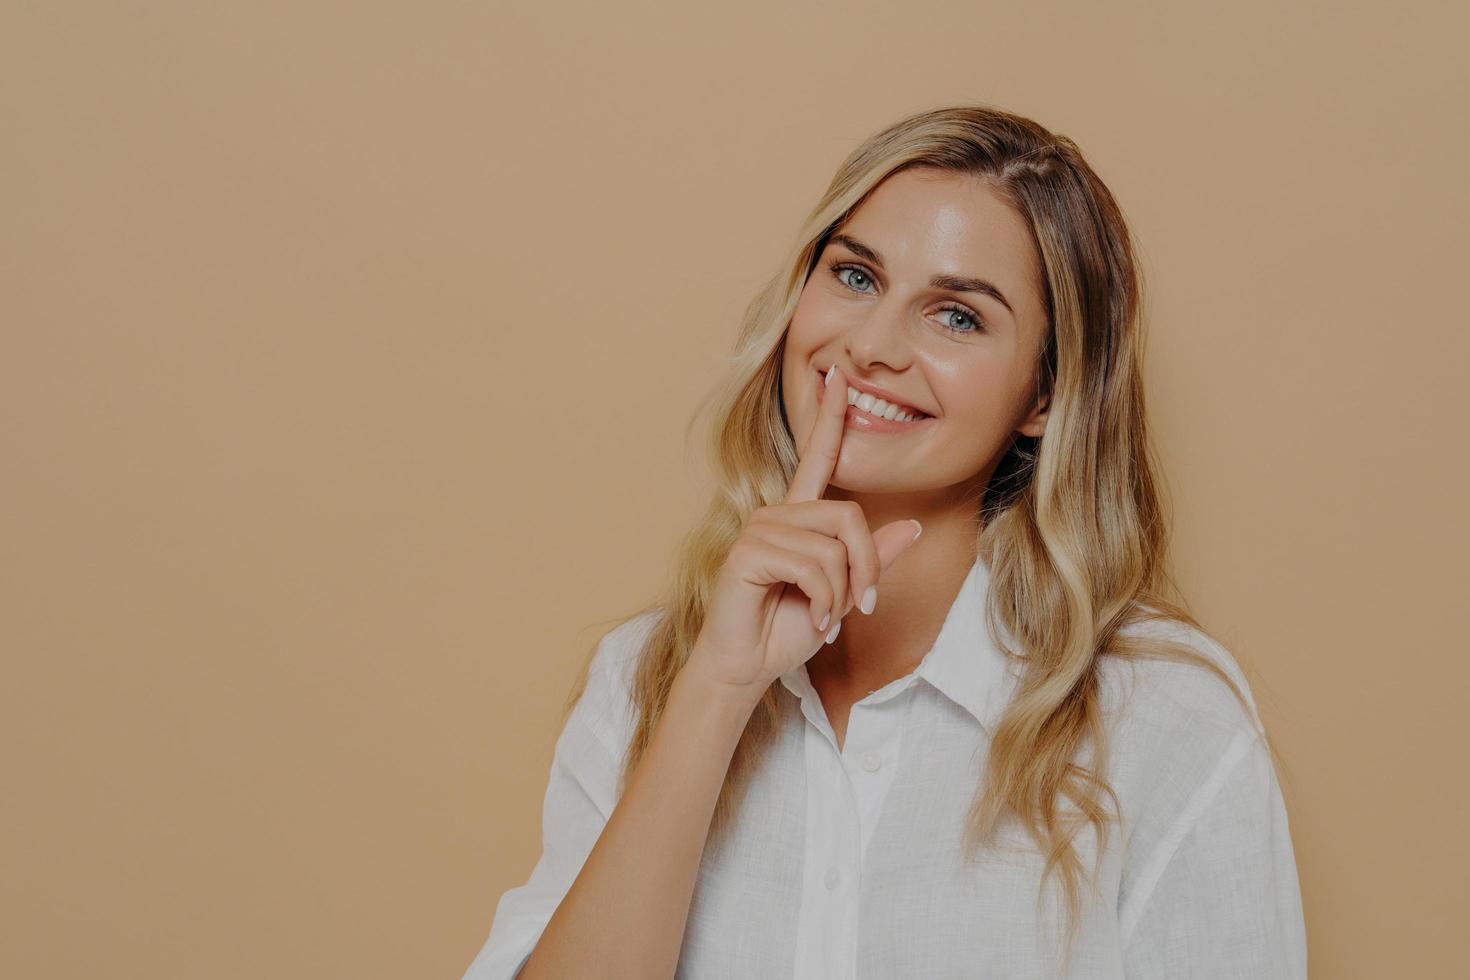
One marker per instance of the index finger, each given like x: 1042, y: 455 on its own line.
x: 819, y: 458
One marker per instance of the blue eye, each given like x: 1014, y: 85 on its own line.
x: 838, y: 270
x: 976, y: 321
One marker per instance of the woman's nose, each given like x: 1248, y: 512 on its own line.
x: 879, y: 336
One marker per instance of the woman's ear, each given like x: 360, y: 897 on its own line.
x: 1035, y: 423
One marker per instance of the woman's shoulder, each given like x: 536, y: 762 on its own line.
x: 1172, y: 691
x: 605, y: 702
x: 1176, y: 731
x: 619, y: 649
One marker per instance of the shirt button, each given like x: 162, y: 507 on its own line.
x: 871, y: 761
x: 831, y: 878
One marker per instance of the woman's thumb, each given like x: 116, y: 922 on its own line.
x: 892, y: 540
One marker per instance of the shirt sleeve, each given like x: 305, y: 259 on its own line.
x: 581, y: 792
x: 1219, y: 893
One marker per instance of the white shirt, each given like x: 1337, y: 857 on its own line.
x: 848, y: 864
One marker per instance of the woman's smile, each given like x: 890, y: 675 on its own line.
x: 868, y: 414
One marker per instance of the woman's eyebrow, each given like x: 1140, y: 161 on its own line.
x: 958, y: 284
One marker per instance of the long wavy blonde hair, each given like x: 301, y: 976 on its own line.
x: 1072, y: 528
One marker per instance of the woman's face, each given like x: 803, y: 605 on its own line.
x: 887, y: 302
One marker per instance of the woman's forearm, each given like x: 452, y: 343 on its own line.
x: 624, y: 915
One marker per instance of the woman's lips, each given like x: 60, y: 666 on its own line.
x: 862, y: 421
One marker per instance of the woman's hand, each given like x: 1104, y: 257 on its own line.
x: 797, y: 569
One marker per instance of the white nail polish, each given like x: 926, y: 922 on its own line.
x: 835, y: 630
x: 870, y: 599
x: 825, y: 620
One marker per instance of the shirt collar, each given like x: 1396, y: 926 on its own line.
x: 965, y: 664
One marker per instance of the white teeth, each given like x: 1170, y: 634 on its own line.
x: 877, y: 406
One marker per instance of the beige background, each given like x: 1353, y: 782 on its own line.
x: 348, y: 350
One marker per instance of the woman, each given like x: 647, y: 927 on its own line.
x: 1019, y: 758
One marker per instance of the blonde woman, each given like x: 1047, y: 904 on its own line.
x: 916, y: 702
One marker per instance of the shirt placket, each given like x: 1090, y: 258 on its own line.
x: 845, y: 792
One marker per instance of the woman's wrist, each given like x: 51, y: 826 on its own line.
x: 735, y: 701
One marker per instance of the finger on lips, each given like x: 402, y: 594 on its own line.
x: 804, y: 507
x: 819, y: 459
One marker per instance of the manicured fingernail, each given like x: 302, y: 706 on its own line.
x: 870, y: 599
x: 828, y: 379
x: 825, y: 620
x: 918, y: 532
x: 835, y: 630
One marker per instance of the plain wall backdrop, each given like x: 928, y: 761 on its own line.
x: 348, y: 350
